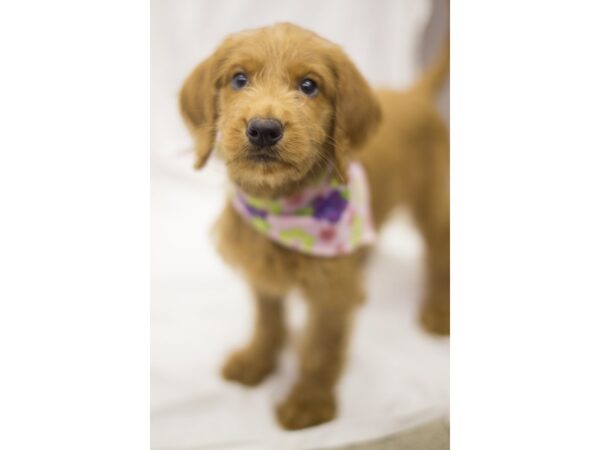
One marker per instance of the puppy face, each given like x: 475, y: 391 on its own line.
x: 280, y: 104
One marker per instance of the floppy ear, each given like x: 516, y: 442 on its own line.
x: 357, y: 111
x: 197, y: 102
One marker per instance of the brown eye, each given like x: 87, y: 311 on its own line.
x: 239, y: 81
x: 308, y: 87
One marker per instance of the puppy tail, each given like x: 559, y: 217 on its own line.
x: 435, y: 75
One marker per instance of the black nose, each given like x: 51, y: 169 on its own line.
x: 264, y: 132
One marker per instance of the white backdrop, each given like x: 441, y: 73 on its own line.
x: 397, y: 376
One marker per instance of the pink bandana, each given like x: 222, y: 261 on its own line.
x: 328, y: 219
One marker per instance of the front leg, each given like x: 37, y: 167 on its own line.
x: 252, y: 363
x: 330, y: 312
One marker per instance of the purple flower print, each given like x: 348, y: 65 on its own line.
x: 329, y: 207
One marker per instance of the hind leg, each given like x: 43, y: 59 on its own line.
x: 432, y: 212
x: 435, y: 310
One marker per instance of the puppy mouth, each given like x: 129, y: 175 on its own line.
x: 266, y: 156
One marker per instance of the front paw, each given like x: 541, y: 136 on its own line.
x: 306, y: 406
x: 248, y: 366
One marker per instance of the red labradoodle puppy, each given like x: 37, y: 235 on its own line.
x: 318, y: 161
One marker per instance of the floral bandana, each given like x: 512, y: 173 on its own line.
x: 328, y: 219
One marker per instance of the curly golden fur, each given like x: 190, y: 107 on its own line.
x: 402, y: 143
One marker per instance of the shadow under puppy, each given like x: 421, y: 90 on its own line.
x: 318, y: 161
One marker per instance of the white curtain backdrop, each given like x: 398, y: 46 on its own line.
x: 397, y: 375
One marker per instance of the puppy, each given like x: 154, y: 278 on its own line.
x: 318, y: 161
